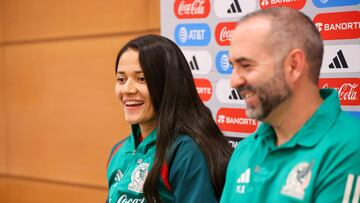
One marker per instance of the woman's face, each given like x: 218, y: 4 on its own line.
x: 132, y: 91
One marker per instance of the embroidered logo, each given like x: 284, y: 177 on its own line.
x: 138, y: 177
x: 297, y: 180
x: 242, y: 181
x: 119, y: 175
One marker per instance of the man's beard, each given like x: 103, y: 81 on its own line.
x: 271, y: 94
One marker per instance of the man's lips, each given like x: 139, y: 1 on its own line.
x: 247, y: 94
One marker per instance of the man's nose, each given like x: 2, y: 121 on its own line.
x: 237, y: 80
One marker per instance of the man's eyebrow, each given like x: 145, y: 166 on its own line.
x: 241, y: 59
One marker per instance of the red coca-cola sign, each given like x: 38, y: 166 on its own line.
x: 192, y: 8
x: 235, y: 120
x: 348, y: 89
x: 204, y: 88
x: 223, y: 32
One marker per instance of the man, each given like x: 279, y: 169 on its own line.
x: 307, y: 149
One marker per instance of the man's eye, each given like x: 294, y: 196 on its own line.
x: 245, y: 65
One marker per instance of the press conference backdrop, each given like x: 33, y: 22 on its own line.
x: 202, y: 28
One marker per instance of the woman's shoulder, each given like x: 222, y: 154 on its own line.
x: 124, y: 144
x: 184, y: 147
x: 185, y: 141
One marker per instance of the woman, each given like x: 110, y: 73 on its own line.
x: 175, y: 152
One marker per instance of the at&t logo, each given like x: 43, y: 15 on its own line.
x: 222, y: 63
x: 192, y: 34
x: 334, y: 3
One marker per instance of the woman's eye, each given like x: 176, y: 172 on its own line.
x: 141, y: 79
x: 120, y: 79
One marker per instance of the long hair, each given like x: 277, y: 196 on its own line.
x: 179, y: 110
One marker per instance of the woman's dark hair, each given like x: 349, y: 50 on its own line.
x: 179, y: 109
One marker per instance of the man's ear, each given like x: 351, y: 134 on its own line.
x: 294, y: 66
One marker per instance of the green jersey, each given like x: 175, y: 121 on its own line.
x: 184, y: 176
x: 320, y: 163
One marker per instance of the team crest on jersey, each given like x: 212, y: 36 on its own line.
x: 298, y: 180
x: 138, y: 177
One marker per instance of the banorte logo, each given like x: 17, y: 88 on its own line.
x: 341, y: 25
x: 348, y: 89
x: 204, y: 88
x: 295, y: 4
x: 235, y: 120
x: 223, y: 32
x: 192, y: 8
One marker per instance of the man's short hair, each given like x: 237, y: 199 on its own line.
x: 292, y: 29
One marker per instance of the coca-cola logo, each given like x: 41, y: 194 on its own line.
x: 235, y: 120
x: 192, y: 8
x: 204, y: 88
x: 348, y: 89
x: 223, y: 33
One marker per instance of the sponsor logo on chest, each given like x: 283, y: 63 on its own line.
x: 243, y: 181
x: 126, y: 199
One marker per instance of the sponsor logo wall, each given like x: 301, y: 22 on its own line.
x: 202, y: 29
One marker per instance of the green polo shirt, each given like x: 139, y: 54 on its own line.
x: 184, y: 176
x: 321, y: 163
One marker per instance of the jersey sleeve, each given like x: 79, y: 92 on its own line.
x: 341, y: 177
x: 114, y: 149
x: 189, y: 174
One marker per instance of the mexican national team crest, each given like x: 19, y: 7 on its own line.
x: 138, y: 177
x: 297, y: 180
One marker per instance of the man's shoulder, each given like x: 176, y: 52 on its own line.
x: 349, y: 120
x: 342, y: 141
x: 247, y: 144
x: 346, y: 129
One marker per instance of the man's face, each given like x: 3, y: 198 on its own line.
x: 257, y: 76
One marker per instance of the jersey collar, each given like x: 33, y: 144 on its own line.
x: 146, y: 143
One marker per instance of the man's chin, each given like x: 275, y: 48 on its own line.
x: 254, y: 113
